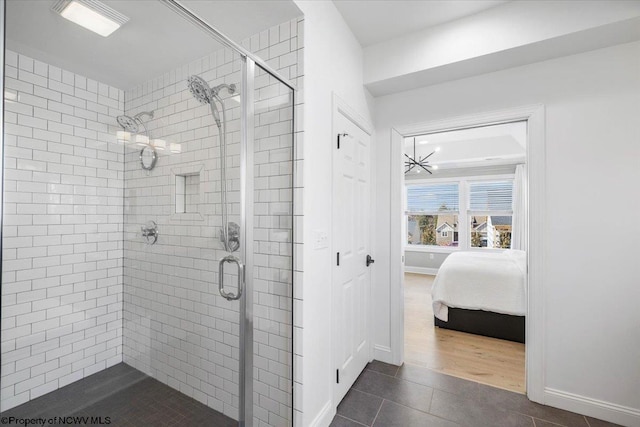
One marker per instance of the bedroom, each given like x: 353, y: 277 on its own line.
x: 465, y: 210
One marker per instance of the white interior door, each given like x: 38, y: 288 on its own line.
x: 351, y: 278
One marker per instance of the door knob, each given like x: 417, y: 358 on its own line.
x: 370, y: 260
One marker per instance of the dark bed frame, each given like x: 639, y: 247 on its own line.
x: 487, y: 323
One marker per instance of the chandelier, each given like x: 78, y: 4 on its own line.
x: 413, y: 162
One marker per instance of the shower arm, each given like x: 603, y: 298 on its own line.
x: 146, y: 131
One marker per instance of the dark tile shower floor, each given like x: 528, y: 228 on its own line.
x: 410, y: 396
x: 128, y: 397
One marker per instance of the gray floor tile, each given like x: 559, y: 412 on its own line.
x: 128, y: 397
x: 437, y: 380
x: 593, y: 422
x: 409, y: 394
x: 383, y: 368
x: 542, y: 423
x: 360, y: 407
x: 339, y: 421
x: 394, y: 415
x: 519, y: 403
x: 416, y: 390
x: 470, y: 412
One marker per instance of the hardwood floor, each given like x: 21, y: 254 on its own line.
x: 486, y: 360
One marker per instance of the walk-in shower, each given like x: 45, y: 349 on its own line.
x: 153, y: 293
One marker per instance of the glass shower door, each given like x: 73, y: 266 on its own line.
x: 183, y: 289
x: 270, y: 154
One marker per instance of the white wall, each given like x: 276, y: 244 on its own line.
x: 591, y: 285
x: 62, y: 231
x: 333, y: 63
x: 512, y: 34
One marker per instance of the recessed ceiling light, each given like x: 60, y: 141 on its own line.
x: 91, y: 14
x: 423, y: 142
x: 434, y: 166
x: 436, y: 149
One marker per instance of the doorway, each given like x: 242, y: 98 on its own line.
x: 465, y: 253
x: 402, y: 291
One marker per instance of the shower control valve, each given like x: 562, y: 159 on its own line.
x: 150, y: 232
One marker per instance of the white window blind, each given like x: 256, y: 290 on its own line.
x: 432, y: 198
x: 491, y: 195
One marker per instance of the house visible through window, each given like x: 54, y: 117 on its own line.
x: 490, y: 215
x: 433, y: 212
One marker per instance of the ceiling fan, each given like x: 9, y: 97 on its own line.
x: 421, y: 161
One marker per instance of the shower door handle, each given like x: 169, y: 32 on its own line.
x: 228, y: 295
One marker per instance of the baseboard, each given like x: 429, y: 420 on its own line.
x: 607, y: 411
x: 420, y: 270
x: 324, y: 417
x: 382, y: 353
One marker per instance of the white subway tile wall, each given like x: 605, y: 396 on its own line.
x: 74, y: 260
x: 62, y: 233
x: 177, y: 327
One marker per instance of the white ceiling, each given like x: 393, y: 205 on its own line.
x: 376, y: 21
x: 154, y: 41
x: 476, y: 147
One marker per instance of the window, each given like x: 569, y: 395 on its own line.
x: 490, y: 214
x: 432, y: 211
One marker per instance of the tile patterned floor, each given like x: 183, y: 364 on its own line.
x: 390, y: 396
x: 128, y: 397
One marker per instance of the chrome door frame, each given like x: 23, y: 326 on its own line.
x: 246, y: 231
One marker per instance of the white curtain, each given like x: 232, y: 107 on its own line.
x: 520, y: 198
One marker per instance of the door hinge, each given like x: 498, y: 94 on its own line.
x: 337, y: 258
x: 338, y: 376
x: 339, y: 135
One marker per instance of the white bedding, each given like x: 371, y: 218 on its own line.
x: 481, y: 281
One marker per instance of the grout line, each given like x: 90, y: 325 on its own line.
x: 382, y: 373
x: 347, y: 418
x: 540, y: 419
x: 404, y: 406
x: 377, y: 413
x: 431, y: 400
x: 586, y: 420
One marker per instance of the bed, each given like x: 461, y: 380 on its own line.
x: 482, y: 293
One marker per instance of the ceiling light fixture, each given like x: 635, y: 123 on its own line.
x: 422, y: 161
x: 91, y: 14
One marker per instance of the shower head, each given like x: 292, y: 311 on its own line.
x: 128, y: 123
x: 199, y: 89
x: 205, y: 95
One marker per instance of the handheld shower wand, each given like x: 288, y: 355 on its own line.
x: 200, y: 89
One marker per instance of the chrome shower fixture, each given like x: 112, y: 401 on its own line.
x: 202, y: 92
x: 131, y: 124
x: 205, y: 94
